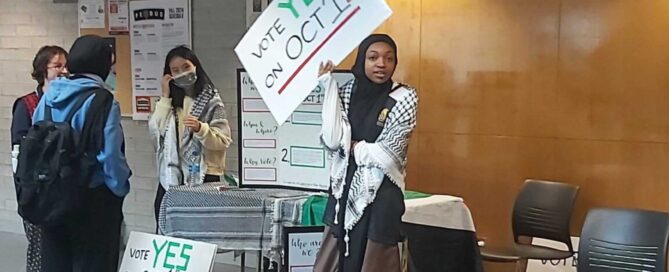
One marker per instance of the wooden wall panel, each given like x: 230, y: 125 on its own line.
x: 568, y: 90
x: 613, y: 84
x: 489, y: 77
x: 613, y: 71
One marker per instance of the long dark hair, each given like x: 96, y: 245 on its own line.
x: 41, y: 62
x: 177, y: 93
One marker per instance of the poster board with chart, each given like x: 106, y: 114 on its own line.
x: 290, y: 155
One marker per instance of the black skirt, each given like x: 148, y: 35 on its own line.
x: 380, y: 221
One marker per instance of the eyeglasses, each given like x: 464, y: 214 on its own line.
x: 57, y: 67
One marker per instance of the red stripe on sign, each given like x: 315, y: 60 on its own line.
x: 290, y: 79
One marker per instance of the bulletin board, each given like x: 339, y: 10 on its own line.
x: 123, y: 92
x: 123, y: 68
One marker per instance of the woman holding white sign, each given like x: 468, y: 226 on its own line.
x: 366, y: 125
x: 189, y: 126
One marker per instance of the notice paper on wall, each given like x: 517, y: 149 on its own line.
x: 156, y: 26
x: 119, y: 18
x: 91, y: 13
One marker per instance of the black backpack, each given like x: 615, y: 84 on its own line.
x: 56, y: 163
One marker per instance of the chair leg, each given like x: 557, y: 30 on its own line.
x: 243, y: 269
x: 520, y: 266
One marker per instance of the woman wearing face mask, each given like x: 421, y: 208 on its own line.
x: 366, y: 125
x: 49, y: 64
x: 189, y: 126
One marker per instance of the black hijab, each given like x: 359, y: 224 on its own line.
x: 90, y: 54
x: 368, y: 98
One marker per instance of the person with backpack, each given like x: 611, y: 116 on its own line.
x: 48, y: 64
x: 189, y: 126
x: 72, y: 173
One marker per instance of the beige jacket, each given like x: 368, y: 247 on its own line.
x: 214, y: 139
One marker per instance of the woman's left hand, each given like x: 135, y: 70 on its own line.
x: 326, y: 67
x: 192, y: 123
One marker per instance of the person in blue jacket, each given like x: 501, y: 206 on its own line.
x: 49, y: 63
x: 90, y: 244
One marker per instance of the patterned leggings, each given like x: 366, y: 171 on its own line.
x: 34, y: 258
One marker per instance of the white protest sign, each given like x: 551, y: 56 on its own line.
x: 154, y: 253
x: 565, y: 265
x: 284, y: 47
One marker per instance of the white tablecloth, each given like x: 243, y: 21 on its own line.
x: 442, y: 211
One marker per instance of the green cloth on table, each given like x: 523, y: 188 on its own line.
x: 314, y: 208
x: 413, y: 195
x: 231, y: 180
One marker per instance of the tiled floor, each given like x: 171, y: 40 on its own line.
x: 12, y: 255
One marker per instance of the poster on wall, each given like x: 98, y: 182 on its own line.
x: 118, y: 17
x: 156, y: 27
x: 91, y: 13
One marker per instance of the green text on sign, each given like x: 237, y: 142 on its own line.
x: 169, y: 258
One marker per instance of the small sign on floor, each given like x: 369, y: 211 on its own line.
x: 564, y: 265
x: 155, y: 253
x: 301, y: 244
